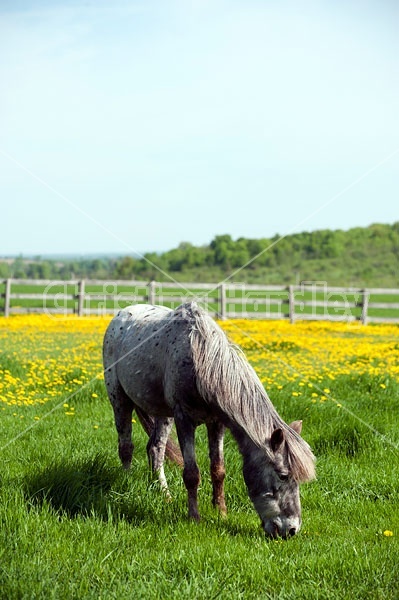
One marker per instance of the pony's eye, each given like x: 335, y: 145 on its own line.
x: 283, y: 476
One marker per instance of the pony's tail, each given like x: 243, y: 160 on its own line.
x: 172, y: 450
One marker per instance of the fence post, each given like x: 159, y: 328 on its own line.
x: 365, y: 306
x: 152, y: 292
x: 222, y: 301
x: 7, y: 298
x: 81, y: 297
x: 291, y: 303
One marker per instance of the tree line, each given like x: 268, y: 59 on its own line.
x: 362, y: 256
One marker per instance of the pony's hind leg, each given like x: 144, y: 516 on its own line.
x: 215, y: 438
x: 156, y: 449
x: 123, y: 409
x: 123, y: 422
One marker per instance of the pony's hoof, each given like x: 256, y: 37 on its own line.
x: 195, y: 517
x: 221, y: 508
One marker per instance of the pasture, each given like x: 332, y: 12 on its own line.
x: 307, y: 301
x: 74, y: 525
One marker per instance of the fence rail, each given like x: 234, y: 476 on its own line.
x: 307, y: 301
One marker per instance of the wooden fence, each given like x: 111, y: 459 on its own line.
x: 308, y: 301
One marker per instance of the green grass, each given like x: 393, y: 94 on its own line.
x: 75, y: 525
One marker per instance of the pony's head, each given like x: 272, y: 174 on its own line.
x: 273, y: 484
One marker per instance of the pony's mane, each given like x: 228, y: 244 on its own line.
x: 225, y: 377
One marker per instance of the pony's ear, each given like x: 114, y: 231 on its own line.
x: 276, y: 439
x: 296, y: 426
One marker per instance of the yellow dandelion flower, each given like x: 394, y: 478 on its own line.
x: 388, y: 533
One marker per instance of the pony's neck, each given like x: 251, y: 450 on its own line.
x: 245, y: 443
x: 254, y: 458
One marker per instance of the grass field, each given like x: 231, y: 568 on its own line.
x: 74, y: 525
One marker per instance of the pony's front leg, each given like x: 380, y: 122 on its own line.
x: 156, y: 449
x: 191, y: 475
x: 215, y: 438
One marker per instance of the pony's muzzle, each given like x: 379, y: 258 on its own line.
x: 277, y: 528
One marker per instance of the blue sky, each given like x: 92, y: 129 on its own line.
x: 134, y: 126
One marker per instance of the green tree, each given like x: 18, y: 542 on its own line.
x: 125, y: 268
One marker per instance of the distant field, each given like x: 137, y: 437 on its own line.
x: 74, y: 525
